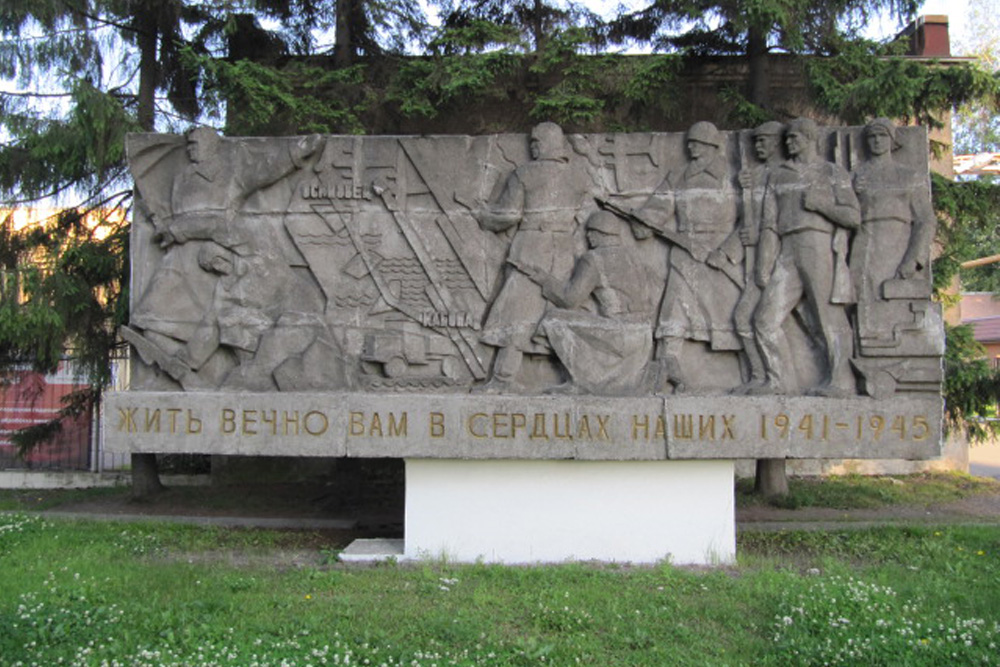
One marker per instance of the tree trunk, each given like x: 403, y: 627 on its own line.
x: 145, y: 470
x: 771, y: 476
x: 759, y: 88
x: 772, y: 479
x: 147, y: 38
x: 343, y: 50
x: 538, y: 26
x: 145, y: 477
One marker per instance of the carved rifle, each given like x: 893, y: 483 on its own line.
x: 677, y: 239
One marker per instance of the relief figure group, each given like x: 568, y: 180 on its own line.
x: 792, y: 242
x: 789, y: 259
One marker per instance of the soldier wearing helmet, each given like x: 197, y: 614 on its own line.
x: 695, y: 208
x: 542, y: 200
x: 603, y: 352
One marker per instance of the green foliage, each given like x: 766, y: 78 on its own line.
x: 866, y: 79
x: 969, y: 214
x: 866, y: 492
x: 971, y: 387
x: 309, y: 98
x: 82, y: 150
x: 849, y: 621
x: 217, y: 597
x: 424, y: 86
x: 744, y: 112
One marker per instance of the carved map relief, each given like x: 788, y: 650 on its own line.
x: 790, y: 259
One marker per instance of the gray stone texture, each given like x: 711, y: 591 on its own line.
x: 785, y: 262
x: 454, y: 426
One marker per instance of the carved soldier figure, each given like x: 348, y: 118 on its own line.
x: 202, y: 205
x: 695, y: 209
x: 542, y: 199
x: 767, y: 139
x: 604, y: 352
x: 897, y: 224
x: 806, y: 201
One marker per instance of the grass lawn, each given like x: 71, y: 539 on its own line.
x: 93, y: 593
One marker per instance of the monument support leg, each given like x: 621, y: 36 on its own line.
x: 771, y: 480
x: 527, y: 511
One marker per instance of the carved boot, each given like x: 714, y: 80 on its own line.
x: 670, y: 374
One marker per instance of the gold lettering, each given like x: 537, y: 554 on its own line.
x: 376, y: 426
x: 517, y: 421
x: 636, y: 425
x: 684, y: 427
x: 193, y: 423
x: 437, y: 425
x: 899, y: 426
x: 706, y: 426
x: 877, y: 422
x: 583, y: 429
x: 920, y: 422
x: 782, y: 422
x: 471, y: 425
x: 173, y: 412
x: 152, y: 421
x: 602, y: 427
x: 356, y: 424
x: 324, y: 423
x: 397, y: 428
x: 565, y: 435
x: 126, y: 420
x: 249, y: 421
x: 228, y: 421
x: 500, y: 425
x: 806, y: 426
x: 536, y: 432
x: 728, y: 422
x: 290, y: 419
x: 660, y: 432
x: 272, y: 422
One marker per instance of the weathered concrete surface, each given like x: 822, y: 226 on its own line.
x: 521, y: 427
x: 763, y: 293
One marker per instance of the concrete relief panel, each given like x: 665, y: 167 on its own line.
x: 786, y: 260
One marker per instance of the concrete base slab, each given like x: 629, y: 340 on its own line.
x: 554, y: 511
x: 372, y: 550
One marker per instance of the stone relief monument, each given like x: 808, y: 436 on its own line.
x: 755, y: 293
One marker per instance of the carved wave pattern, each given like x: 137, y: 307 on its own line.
x: 409, y: 275
x: 452, y: 272
x: 323, y: 238
x: 356, y: 300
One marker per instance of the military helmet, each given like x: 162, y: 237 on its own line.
x: 706, y: 133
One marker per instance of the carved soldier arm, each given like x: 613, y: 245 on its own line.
x: 586, y: 277
x: 838, y: 203
x: 921, y: 235
x: 506, y: 209
x: 657, y: 214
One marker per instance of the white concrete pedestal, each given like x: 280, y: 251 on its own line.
x: 551, y: 511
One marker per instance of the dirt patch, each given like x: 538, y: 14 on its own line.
x: 984, y: 507
x: 384, y: 517
x: 378, y: 516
